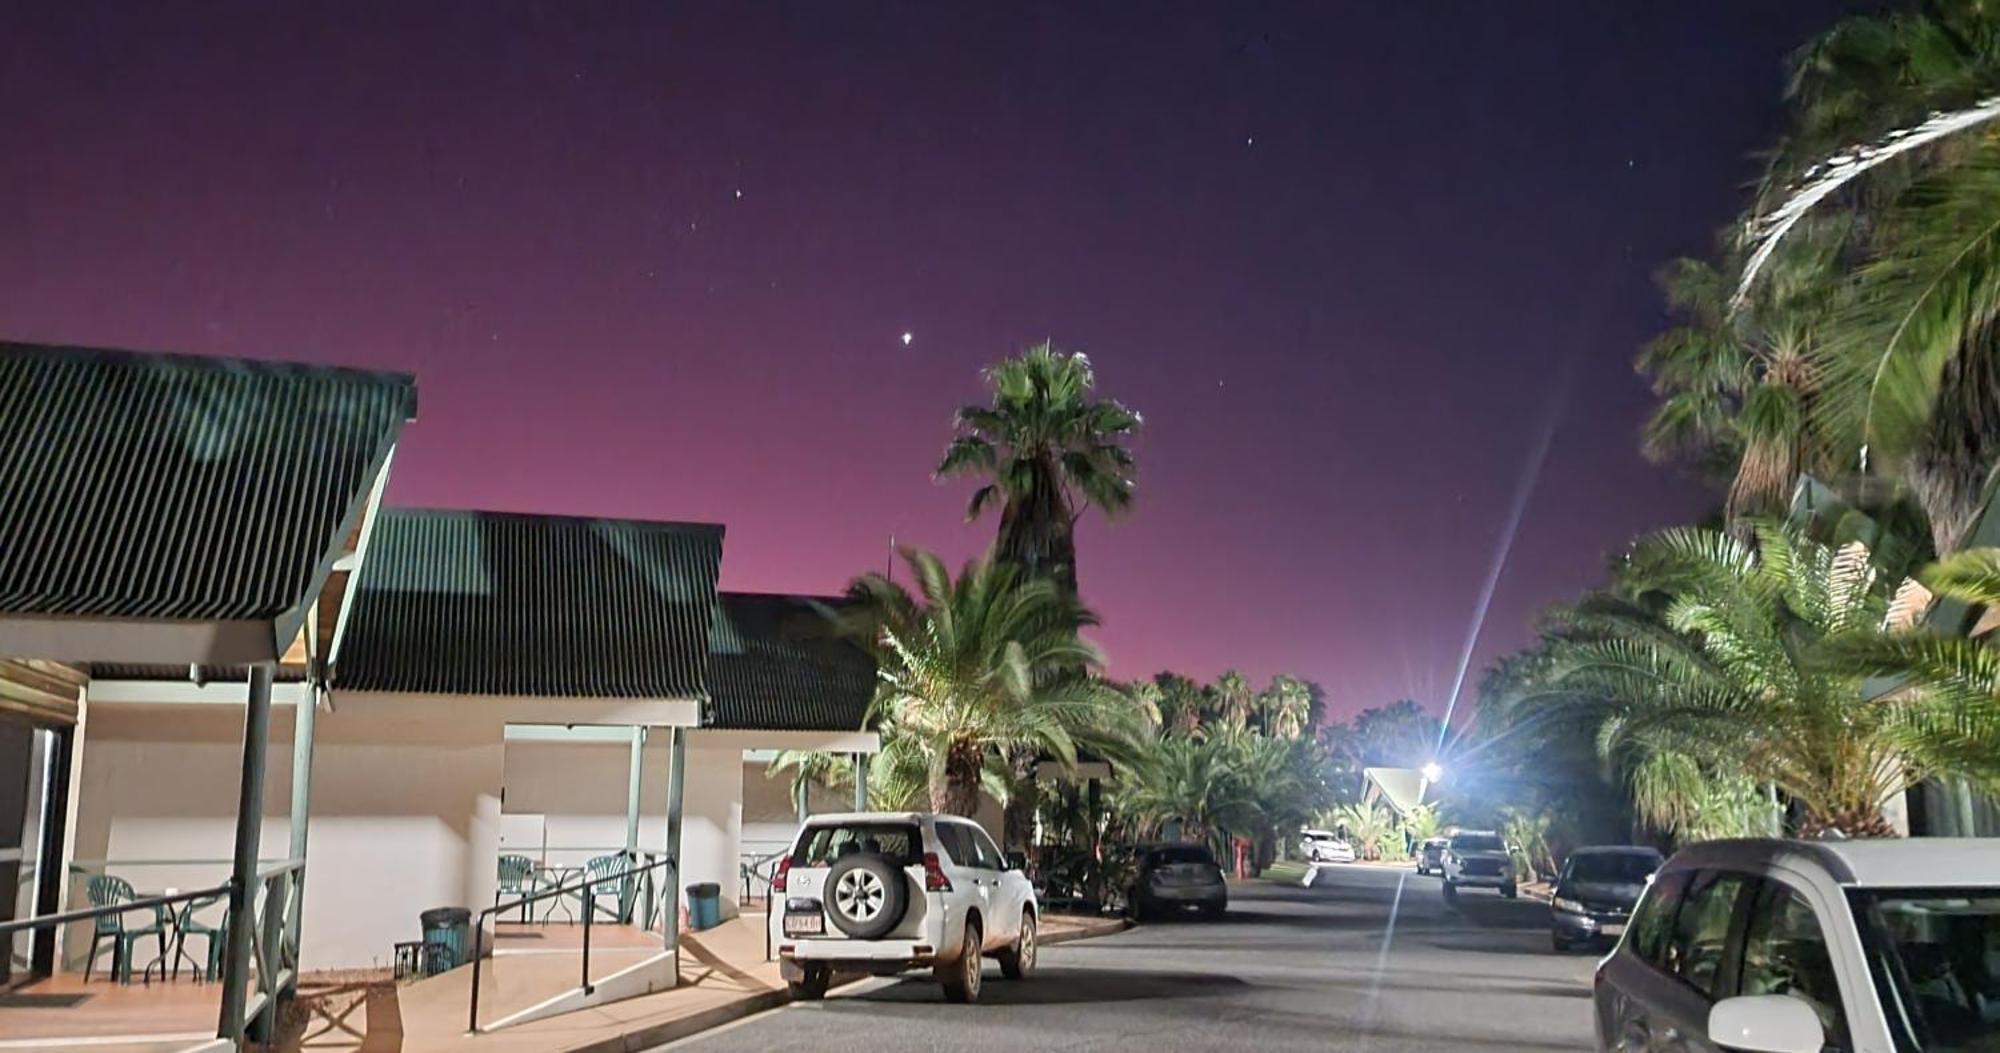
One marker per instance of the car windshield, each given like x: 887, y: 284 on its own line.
x: 1935, y: 954
x: 1476, y: 843
x: 1613, y: 868
x: 1182, y: 854
x: 823, y: 845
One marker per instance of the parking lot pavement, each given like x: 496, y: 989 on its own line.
x: 1366, y: 959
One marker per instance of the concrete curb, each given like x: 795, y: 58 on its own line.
x: 1093, y: 928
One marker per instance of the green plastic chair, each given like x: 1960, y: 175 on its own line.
x: 619, y: 890
x: 517, y: 878
x: 217, y: 936
x: 108, y: 891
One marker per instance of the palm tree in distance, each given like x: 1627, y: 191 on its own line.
x: 983, y: 665
x: 1048, y: 451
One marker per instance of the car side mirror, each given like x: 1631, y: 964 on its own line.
x: 1766, y: 1024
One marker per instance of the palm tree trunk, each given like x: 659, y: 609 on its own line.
x: 1950, y: 470
x: 958, y: 792
x: 1037, y: 530
x: 1024, y: 798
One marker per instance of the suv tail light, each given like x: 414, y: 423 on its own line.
x: 934, y: 879
x: 778, y: 876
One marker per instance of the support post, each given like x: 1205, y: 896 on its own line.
x: 634, y: 780
x: 305, y: 719
x: 51, y: 868
x: 676, y: 798
x: 861, y: 782
x: 243, y: 870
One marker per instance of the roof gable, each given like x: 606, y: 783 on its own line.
x: 485, y: 603
x: 180, y: 487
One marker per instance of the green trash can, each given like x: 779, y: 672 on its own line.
x: 447, y: 938
x: 704, y: 905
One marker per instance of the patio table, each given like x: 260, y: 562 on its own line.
x: 549, y: 877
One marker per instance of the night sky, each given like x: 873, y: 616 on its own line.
x: 1351, y: 260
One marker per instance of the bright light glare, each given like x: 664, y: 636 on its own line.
x: 1433, y: 773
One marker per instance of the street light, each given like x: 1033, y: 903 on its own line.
x: 1433, y: 773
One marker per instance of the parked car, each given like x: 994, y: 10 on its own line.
x: 1596, y: 891
x: 1176, y: 878
x: 1430, y: 855
x: 887, y: 892
x: 1325, y: 846
x: 1860, y: 946
x: 1478, y: 858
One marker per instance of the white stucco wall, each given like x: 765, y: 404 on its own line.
x: 566, y: 801
x: 404, y: 813
x: 406, y: 803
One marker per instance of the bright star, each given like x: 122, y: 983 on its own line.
x: 907, y: 337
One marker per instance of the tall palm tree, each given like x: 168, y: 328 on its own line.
x: 1285, y: 709
x: 1895, y: 124
x: 982, y: 664
x: 1737, y: 387
x: 1750, y: 670
x: 1048, y: 450
x: 1233, y: 699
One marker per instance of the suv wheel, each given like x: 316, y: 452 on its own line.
x: 1018, y: 961
x: 812, y: 987
x: 961, y: 978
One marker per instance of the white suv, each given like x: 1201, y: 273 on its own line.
x: 1858, y: 946
x: 886, y: 892
x: 1478, y: 858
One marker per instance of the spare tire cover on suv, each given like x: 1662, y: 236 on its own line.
x: 866, y: 895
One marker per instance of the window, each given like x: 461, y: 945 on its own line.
x: 1784, y: 952
x: 1701, y: 930
x: 989, y: 853
x: 957, y: 845
x: 1935, y: 955
x: 1478, y: 843
x: 1611, y: 868
x: 1653, y: 922
x: 1180, y: 854
x: 823, y: 845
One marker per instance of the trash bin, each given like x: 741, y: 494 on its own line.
x: 447, y: 938
x: 704, y: 905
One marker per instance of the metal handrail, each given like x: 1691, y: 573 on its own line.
x: 753, y: 867
x: 589, y: 910
x: 8, y: 928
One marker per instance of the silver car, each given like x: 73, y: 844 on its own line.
x: 1783, y: 946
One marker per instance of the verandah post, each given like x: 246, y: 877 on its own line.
x: 243, y: 868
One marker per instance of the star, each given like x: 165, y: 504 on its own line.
x: 739, y: 195
x: 907, y: 337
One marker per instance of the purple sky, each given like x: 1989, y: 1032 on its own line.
x: 1337, y: 254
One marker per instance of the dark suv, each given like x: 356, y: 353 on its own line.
x: 1596, y: 892
x: 1178, y: 877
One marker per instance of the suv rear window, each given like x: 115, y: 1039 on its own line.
x: 1163, y: 857
x: 900, y: 842
x: 1477, y: 843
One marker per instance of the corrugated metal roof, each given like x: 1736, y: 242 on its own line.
x: 486, y: 603
x: 776, y: 663
x: 179, y: 487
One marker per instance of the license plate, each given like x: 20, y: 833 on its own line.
x: 805, y: 924
x: 1615, y: 929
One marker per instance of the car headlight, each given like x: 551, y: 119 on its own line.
x: 1567, y: 906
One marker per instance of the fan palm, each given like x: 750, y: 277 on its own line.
x: 984, y: 663
x: 1750, y: 670
x: 1737, y: 388
x: 1048, y: 450
x: 1285, y: 709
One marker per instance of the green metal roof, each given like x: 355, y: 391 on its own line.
x: 487, y: 603
x: 776, y: 663
x: 178, y: 487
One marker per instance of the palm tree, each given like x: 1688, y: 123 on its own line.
x: 1895, y: 126
x: 1750, y: 670
x: 810, y: 768
x: 982, y: 664
x: 1183, y: 703
x: 1048, y: 450
x: 1194, y: 781
x: 1285, y: 709
x: 1737, y: 386
x: 1233, y: 699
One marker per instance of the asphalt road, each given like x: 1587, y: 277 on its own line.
x: 1367, y: 959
